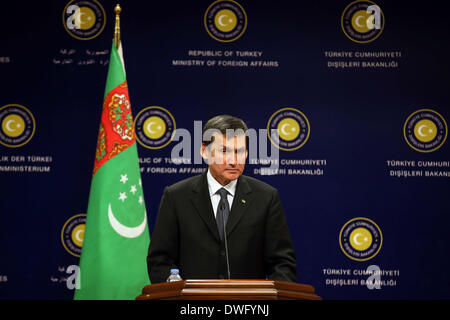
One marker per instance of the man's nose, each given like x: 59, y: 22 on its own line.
x: 231, y: 158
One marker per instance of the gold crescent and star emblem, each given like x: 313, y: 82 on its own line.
x: 288, y: 129
x: 17, y: 125
x: 425, y: 130
x: 72, y: 234
x: 225, y: 20
x: 362, y: 21
x: 84, y: 18
x: 154, y: 127
x: 360, y: 239
x: 13, y: 125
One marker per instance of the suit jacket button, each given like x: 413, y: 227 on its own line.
x: 222, y: 252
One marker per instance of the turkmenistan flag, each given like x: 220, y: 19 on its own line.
x: 113, y: 258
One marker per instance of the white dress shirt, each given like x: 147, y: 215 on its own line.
x: 214, y: 186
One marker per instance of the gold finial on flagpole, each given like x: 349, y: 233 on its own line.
x: 117, y: 10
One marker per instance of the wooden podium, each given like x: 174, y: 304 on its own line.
x: 228, y: 290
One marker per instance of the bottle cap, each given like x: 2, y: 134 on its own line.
x: 174, y: 271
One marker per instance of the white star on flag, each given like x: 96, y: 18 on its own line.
x: 123, y: 178
x: 122, y: 196
x: 133, y: 189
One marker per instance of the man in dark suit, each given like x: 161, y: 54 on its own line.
x: 189, y: 233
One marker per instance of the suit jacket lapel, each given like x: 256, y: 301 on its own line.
x: 241, y: 201
x: 202, y: 202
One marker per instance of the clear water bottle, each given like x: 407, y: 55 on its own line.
x: 174, y: 275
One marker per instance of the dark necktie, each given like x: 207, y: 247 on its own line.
x: 223, y: 210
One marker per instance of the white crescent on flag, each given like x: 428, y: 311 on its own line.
x: 124, y: 231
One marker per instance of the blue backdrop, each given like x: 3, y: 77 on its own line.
x: 366, y: 181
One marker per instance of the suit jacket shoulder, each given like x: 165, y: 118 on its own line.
x: 189, y: 183
x: 258, y: 186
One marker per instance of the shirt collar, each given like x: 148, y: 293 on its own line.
x: 214, y: 186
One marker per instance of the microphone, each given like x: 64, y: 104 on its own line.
x: 222, y: 207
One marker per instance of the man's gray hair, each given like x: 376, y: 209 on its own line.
x: 222, y: 124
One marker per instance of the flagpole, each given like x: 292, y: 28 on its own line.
x: 117, y: 10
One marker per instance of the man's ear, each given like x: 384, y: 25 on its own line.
x: 203, y: 151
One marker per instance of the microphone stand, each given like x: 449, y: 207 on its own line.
x: 222, y: 207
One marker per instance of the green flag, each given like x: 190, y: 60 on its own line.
x: 113, y: 258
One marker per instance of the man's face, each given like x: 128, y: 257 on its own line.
x: 226, y: 157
